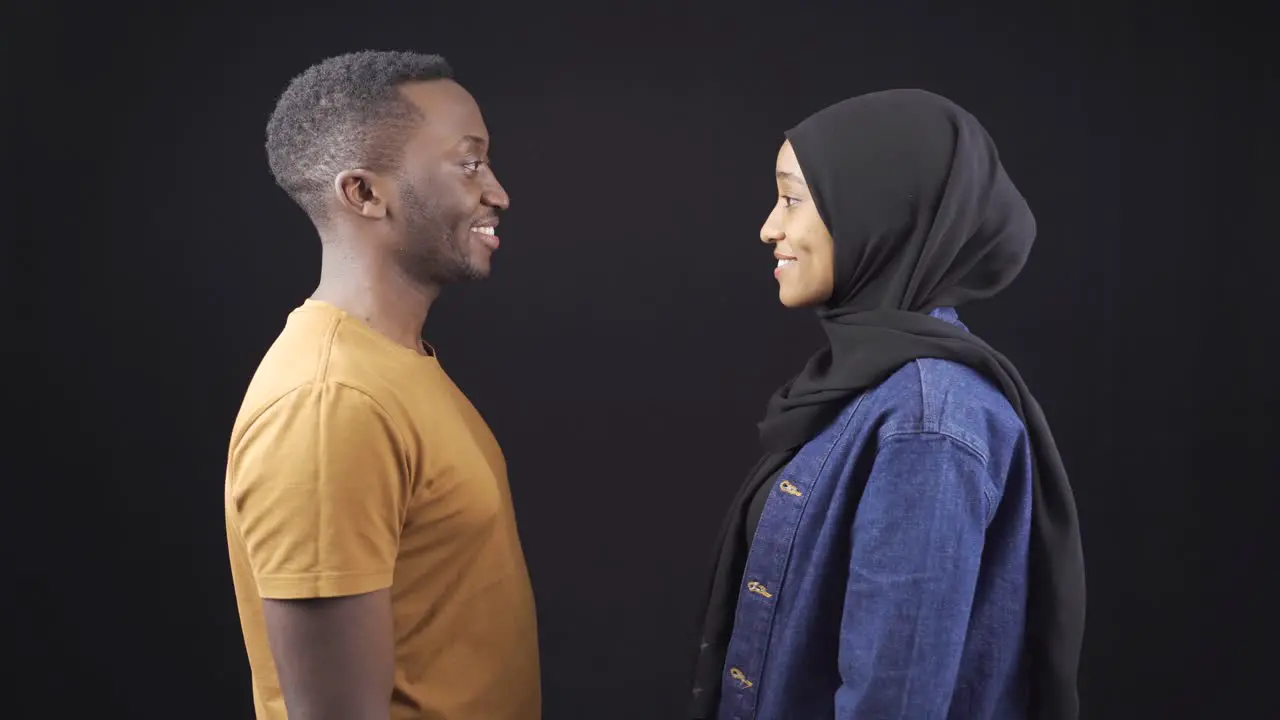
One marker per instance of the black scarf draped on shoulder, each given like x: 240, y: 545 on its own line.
x: 923, y: 215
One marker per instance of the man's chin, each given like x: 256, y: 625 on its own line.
x: 458, y: 273
x: 481, y: 261
x: 474, y: 270
x: 479, y: 265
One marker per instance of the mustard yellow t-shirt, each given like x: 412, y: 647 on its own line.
x: 356, y: 464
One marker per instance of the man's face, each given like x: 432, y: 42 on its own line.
x: 802, y: 246
x: 447, y: 202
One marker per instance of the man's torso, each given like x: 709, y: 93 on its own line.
x: 465, y: 637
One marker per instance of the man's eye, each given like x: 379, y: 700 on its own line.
x: 473, y: 166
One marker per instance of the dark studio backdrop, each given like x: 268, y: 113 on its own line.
x: 630, y: 334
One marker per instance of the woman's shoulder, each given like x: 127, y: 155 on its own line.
x: 930, y: 395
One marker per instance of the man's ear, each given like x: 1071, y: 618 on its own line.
x: 360, y: 191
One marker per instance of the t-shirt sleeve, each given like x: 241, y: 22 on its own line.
x: 319, y: 484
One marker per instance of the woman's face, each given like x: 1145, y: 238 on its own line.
x: 801, y: 243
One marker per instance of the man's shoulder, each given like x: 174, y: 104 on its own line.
x: 316, y: 372
x: 327, y: 408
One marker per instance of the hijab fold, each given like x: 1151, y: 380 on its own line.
x: 923, y: 215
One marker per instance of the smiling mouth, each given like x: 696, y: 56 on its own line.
x: 487, y: 232
x: 785, y: 261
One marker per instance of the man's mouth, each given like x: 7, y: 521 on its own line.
x: 487, y: 230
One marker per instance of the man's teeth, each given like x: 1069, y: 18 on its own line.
x: 783, y: 262
x: 485, y: 230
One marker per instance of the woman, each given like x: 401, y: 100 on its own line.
x: 907, y: 547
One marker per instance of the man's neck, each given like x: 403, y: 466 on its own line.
x: 377, y: 293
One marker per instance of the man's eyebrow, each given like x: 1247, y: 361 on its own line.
x: 784, y: 175
x: 473, y: 140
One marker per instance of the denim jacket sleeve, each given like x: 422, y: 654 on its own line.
x: 917, y: 543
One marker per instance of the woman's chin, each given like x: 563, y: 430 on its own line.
x: 797, y: 300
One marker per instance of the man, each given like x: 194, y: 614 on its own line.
x: 373, y: 545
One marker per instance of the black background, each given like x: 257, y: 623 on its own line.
x: 630, y: 334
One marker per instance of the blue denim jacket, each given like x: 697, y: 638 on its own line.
x: 913, y: 607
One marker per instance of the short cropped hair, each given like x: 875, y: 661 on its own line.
x: 341, y: 113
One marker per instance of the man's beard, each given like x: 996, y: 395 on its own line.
x: 433, y: 252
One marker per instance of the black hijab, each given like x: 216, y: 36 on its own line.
x: 923, y: 216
